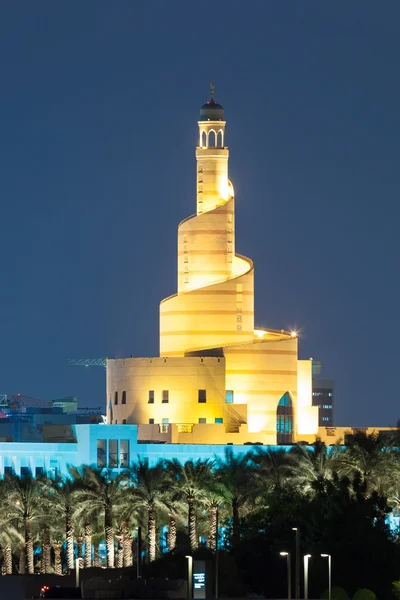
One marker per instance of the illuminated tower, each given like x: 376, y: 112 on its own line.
x: 214, y: 305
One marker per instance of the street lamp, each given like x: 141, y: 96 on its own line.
x: 328, y: 556
x: 297, y: 584
x: 306, y: 558
x: 289, y: 574
x: 190, y: 577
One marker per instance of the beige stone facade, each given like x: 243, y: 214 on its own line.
x: 217, y: 379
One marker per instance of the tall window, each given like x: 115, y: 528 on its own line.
x: 165, y: 396
x: 123, y: 401
x: 229, y: 396
x: 151, y: 421
x: 151, y: 397
x: 112, y: 454
x: 202, y: 420
x: 202, y: 397
x: 101, y: 453
x: 116, y: 398
x: 284, y: 420
x: 124, y: 454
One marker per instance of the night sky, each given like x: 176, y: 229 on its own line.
x: 99, y: 106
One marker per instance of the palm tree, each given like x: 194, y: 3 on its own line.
x: 147, y: 492
x: 97, y: 490
x: 24, y: 503
x: 235, y: 474
x: 60, y: 501
x: 312, y: 466
x: 190, y: 482
x: 372, y: 459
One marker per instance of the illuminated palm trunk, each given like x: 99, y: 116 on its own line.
x: 192, y: 524
x: 212, y: 536
x: 171, y: 535
x: 46, y: 552
x: 88, y: 545
x: 151, y: 533
x: 127, y: 545
x: 109, y: 531
x: 7, y: 559
x: 96, y: 557
x: 22, y: 560
x: 57, y: 558
x: 120, y: 552
x: 235, y: 522
x: 29, y: 546
x: 79, y: 541
x: 69, y: 536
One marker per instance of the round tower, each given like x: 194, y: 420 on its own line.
x: 212, y: 155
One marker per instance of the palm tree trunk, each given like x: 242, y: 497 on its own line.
x: 109, y: 531
x: 79, y: 540
x: 7, y: 559
x: 120, y: 551
x: 127, y: 545
x: 57, y: 558
x: 22, y: 560
x: 151, y: 533
x: 46, y: 551
x: 69, y: 536
x: 212, y: 536
x: 235, y: 522
x: 29, y: 546
x: 171, y: 535
x: 88, y: 545
x: 96, y: 557
x: 192, y: 524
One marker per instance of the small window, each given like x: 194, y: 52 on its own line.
x: 39, y: 471
x: 25, y: 471
x: 202, y: 397
x: 219, y: 420
x: 165, y: 421
x: 151, y: 397
x: 123, y: 401
x: 8, y: 470
x: 202, y: 420
x: 116, y: 398
x: 151, y: 421
x: 229, y: 397
x: 123, y: 421
x: 165, y: 396
x: 116, y: 421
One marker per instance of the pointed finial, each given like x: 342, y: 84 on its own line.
x: 212, y: 88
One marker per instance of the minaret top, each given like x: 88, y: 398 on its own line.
x: 211, y: 111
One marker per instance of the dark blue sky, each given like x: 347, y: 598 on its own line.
x: 99, y: 106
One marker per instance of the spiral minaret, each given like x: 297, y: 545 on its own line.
x: 214, y: 305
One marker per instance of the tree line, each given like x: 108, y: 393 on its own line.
x: 340, y: 498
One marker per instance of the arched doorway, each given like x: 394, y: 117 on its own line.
x: 284, y: 420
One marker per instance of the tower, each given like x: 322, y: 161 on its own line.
x: 214, y: 305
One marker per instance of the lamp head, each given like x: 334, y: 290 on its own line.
x: 284, y: 553
x: 325, y: 555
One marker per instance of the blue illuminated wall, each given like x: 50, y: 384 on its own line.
x: 40, y: 457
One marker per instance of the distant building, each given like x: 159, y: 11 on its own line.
x: 323, y: 398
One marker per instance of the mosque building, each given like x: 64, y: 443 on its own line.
x: 218, y: 379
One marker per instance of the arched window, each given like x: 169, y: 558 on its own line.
x: 212, y: 139
x: 220, y: 139
x: 203, y: 139
x: 284, y: 420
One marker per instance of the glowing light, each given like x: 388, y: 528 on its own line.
x: 285, y: 553
x: 259, y: 333
x: 293, y: 334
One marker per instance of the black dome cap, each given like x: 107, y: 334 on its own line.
x: 211, y: 111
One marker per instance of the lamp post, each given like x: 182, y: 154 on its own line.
x: 289, y: 574
x: 216, y: 559
x: 328, y: 556
x: 306, y: 558
x: 297, y: 583
x: 190, y: 577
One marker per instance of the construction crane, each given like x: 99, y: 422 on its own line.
x: 88, y: 362
x: 17, y: 402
